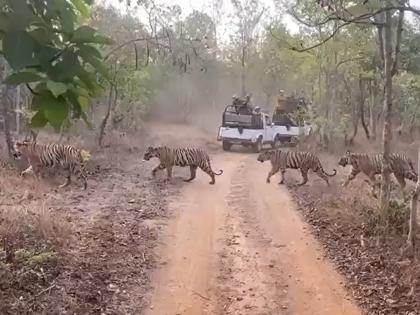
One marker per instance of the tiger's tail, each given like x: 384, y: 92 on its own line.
x: 218, y: 174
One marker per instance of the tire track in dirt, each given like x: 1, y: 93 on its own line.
x: 313, y: 285
x: 248, y: 281
x: 189, y: 246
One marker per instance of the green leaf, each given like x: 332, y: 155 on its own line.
x: 103, y: 40
x: 84, y: 34
x: 95, y: 62
x: 89, y: 50
x: 41, y: 35
x: 57, y: 88
x: 56, y: 112
x: 82, y: 7
x: 89, y: 124
x: 67, y: 20
x: 21, y: 15
x: 23, y: 77
x: 38, y: 120
x: 87, y: 79
x: 4, y: 22
x: 84, y: 102
x: 18, y: 49
x: 45, y: 54
x: 66, y: 69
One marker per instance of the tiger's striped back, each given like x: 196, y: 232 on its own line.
x: 193, y: 157
x: 362, y: 162
x: 53, y: 155
x: 294, y: 160
x: 400, y: 164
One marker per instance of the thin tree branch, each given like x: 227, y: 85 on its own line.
x: 349, y: 60
x: 355, y: 19
x: 137, y: 55
x: 31, y: 90
x: 150, y: 40
x: 398, y: 42
x: 323, y: 41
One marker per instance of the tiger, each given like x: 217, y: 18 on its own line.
x: 192, y: 157
x: 51, y: 155
x: 281, y: 160
x: 401, y: 166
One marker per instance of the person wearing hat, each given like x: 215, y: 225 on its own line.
x: 280, y: 116
x: 281, y: 99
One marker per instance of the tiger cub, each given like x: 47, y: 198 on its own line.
x: 192, y: 157
x: 281, y: 160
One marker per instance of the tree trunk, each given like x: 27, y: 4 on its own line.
x: 6, y: 116
x: 243, y: 85
x: 413, y: 226
x: 387, y: 134
x: 372, y: 115
x: 362, y: 107
x: 356, y: 117
x: 5, y: 110
x: 18, y: 110
x: 108, y: 112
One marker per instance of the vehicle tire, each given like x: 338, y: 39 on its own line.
x: 258, y: 146
x: 276, y: 144
x: 226, y: 146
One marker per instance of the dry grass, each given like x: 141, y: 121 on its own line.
x: 31, y: 238
x: 31, y: 227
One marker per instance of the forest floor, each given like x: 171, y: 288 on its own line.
x: 131, y: 244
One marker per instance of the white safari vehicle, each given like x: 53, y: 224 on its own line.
x: 255, y: 130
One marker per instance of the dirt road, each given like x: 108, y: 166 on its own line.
x: 240, y: 247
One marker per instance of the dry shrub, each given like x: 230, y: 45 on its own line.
x: 29, y: 262
x: 33, y: 228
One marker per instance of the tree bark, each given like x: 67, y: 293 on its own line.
x: 104, y: 122
x: 362, y: 107
x: 6, y: 116
x: 5, y: 110
x: 387, y: 134
x: 18, y: 109
x: 372, y: 112
x: 243, y: 84
x: 413, y: 225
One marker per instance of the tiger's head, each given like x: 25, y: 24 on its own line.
x: 345, y: 159
x: 150, y: 153
x: 19, y: 148
x: 265, y: 156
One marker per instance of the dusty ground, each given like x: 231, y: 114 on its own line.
x: 379, y: 278
x: 109, y: 232
x: 241, y: 248
x: 133, y: 245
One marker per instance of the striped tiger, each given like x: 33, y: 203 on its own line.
x: 192, y: 157
x: 51, y: 155
x: 401, y: 166
x: 281, y: 160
